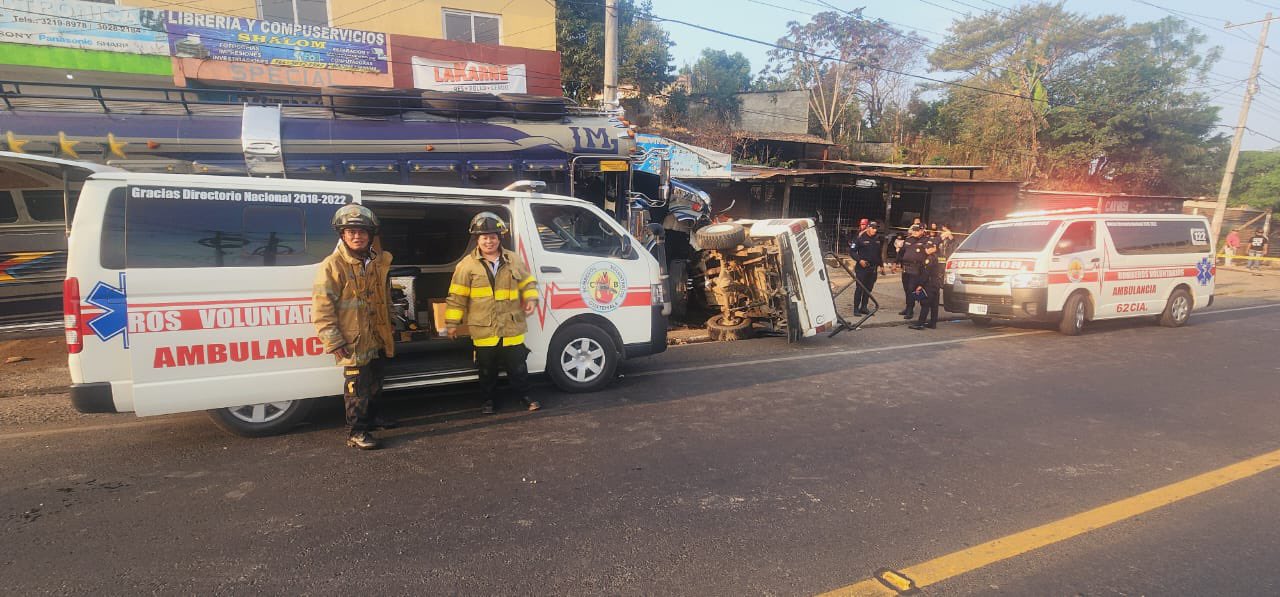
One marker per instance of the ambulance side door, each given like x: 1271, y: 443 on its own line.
x: 1076, y: 263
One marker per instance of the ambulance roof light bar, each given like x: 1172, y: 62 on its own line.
x: 1053, y: 212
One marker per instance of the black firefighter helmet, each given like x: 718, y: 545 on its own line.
x: 355, y: 216
x: 487, y: 222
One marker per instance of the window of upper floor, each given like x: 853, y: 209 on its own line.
x: 301, y: 12
x: 476, y: 27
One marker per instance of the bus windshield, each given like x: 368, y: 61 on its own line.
x: 1010, y: 237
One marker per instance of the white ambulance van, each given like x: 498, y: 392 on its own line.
x: 1072, y: 268
x: 188, y: 293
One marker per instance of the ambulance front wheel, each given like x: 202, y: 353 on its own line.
x: 582, y: 358
x: 261, y: 420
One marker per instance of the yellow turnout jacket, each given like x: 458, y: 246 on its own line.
x: 492, y: 311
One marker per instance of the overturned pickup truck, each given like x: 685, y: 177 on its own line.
x: 764, y: 275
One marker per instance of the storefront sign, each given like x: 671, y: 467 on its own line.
x: 466, y: 75
x: 84, y: 26
x: 220, y: 38
x: 186, y: 69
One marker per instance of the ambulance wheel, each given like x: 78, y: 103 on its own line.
x: 727, y: 235
x: 261, y: 420
x: 735, y: 329
x: 582, y: 358
x: 1178, y: 311
x: 1073, y: 315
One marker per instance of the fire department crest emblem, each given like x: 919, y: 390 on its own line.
x: 603, y: 287
x: 1075, y: 270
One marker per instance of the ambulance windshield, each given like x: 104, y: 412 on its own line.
x: 1010, y: 237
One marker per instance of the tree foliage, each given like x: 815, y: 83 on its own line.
x: 1071, y: 101
x: 848, y: 64
x: 644, y: 49
x: 1257, y: 180
x: 714, y: 82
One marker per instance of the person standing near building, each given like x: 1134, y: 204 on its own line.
x: 492, y: 292
x: 946, y: 242
x: 1232, y: 246
x: 929, y: 284
x: 1258, y: 245
x: 867, y: 261
x: 912, y: 258
x: 351, y: 310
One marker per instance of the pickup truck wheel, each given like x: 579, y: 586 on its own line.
x: 721, y: 330
x: 261, y: 420
x: 1177, y: 311
x: 582, y: 358
x: 1073, y: 315
x: 727, y: 235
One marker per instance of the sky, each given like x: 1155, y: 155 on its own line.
x: 767, y: 19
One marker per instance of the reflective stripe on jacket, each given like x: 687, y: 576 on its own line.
x: 494, y: 312
x: 351, y: 305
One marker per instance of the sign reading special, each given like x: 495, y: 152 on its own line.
x: 84, y: 26
x: 465, y: 75
x: 239, y: 39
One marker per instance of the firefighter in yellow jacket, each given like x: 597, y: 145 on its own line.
x: 491, y: 293
x: 351, y: 309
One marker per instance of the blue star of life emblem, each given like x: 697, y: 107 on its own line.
x: 114, y: 319
x: 1204, y: 271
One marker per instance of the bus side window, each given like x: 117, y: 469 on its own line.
x: 8, y: 211
x: 45, y: 205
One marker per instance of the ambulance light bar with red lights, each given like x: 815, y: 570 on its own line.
x: 1053, y: 212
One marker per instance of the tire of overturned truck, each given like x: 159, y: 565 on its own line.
x: 721, y: 331
x: 678, y: 276
x: 365, y: 101
x: 727, y: 235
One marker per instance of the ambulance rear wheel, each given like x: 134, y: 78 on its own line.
x: 582, y: 358
x: 1178, y: 311
x: 261, y: 420
x: 1073, y: 315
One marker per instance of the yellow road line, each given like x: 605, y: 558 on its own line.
x: 978, y: 556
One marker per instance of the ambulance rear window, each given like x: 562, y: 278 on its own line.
x: 1010, y: 237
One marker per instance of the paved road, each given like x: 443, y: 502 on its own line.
x: 728, y: 469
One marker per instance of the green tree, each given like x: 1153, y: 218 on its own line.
x: 1131, y: 120
x: 1257, y: 180
x: 644, y: 48
x: 714, y: 81
x: 1009, y: 60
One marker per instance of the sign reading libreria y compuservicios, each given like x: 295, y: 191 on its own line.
x: 83, y: 25
x: 240, y: 39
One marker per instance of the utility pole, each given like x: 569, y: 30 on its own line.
x: 611, y: 54
x: 1221, y: 209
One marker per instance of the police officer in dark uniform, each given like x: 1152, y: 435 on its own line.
x: 929, y: 282
x: 912, y: 258
x: 866, y: 252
